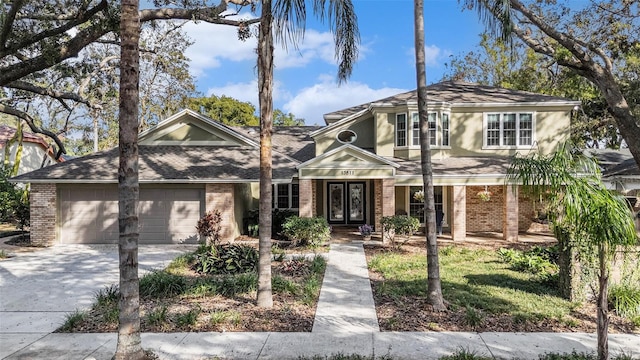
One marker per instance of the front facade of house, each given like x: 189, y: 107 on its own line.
x: 363, y: 165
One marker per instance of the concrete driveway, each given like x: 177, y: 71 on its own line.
x: 38, y: 289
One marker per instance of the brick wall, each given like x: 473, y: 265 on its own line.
x: 485, y: 215
x: 43, y: 214
x: 314, y: 198
x: 510, y: 213
x: 384, y: 200
x: 220, y: 197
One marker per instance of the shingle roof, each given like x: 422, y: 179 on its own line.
x: 293, y: 141
x: 458, y: 166
x: 163, y: 163
x: 616, y: 162
x: 457, y: 92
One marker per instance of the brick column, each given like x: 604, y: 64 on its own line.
x: 43, y: 214
x: 306, y: 197
x: 459, y: 213
x: 384, y: 200
x: 314, y: 200
x: 220, y: 197
x: 510, y: 212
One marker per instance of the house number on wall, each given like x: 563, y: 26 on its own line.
x: 348, y: 172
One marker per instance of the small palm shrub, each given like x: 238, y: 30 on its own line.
x: 225, y: 259
x: 303, y: 231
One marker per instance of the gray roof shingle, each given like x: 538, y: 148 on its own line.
x: 164, y: 163
x: 457, y: 92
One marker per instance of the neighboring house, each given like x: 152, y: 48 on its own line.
x: 36, y: 153
x: 619, y: 170
x: 363, y: 165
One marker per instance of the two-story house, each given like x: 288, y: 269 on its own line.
x: 363, y: 165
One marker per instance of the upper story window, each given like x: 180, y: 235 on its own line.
x: 508, y: 129
x: 439, y: 131
x: 401, y: 129
x: 286, y: 196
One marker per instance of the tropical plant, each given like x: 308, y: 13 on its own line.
x: 226, y: 259
x: 209, y: 227
x: 434, y: 288
x: 579, y: 206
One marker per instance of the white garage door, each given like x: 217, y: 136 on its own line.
x: 89, y: 214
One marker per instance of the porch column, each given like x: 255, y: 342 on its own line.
x: 306, y: 196
x: 510, y: 213
x: 43, y: 213
x: 220, y: 197
x: 385, y: 201
x: 459, y: 213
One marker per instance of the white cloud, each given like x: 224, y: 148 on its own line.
x: 313, y: 102
x: 248, y: 91
x: 432, y: 54
x: 214, y: 43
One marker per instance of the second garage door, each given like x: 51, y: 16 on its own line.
x: 89, y: 214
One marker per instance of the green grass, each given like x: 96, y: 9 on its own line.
x: 474, y: 280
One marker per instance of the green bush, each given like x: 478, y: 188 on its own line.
x: 312, y: 231
x: 14, y: 202
x: 226, y: 259
x: 538, y: 260
x: 402, y: 225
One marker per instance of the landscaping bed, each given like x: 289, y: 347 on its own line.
x: 180, y: 299
x: 482, y: 293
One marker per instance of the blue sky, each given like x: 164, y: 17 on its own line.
x: 305, y: 80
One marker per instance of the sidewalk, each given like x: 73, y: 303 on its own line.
x: 345, y: 323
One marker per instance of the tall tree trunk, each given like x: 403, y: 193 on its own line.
x: 569, y: 275
x: 265, y: 93
x: 603, y: 307
x: 434, y: 290
x: 129, y: 343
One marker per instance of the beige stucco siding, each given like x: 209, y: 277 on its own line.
x: 385, y: 124
x: 364, y: 136
x: 33, y: 157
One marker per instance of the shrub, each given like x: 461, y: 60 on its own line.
x: 72, y: 320
x: 210, y: 226
x: 403, y: 225
x: 625, y: 299
x: 226, y: 259
x: 312, y: 231
x: 538, y: 261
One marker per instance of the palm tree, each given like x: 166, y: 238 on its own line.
x: 129, y: 343
x: 434, y: 288
x: 581, y: 206
x: 286, y: 20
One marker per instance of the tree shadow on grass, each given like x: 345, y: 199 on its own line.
x: 505, y: 281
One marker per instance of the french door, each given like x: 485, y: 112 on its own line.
x: 346, y: 202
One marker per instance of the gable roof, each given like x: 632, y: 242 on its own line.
x: 295, y: 141
x: 458, y: 93
x: 350, y: 154
x: 187, y: 118
x: 168, y: 164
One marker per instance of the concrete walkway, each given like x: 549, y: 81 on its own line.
x: 37, y: 289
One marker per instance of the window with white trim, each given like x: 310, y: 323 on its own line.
x: 409, y: 134
x: 401, y: 129
x: 508, y: 129
x: 286, y: 196
x: 416, y: 207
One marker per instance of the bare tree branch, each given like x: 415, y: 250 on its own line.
x: 29, y: 120
x: 25, y: 86
x: 6, y: 27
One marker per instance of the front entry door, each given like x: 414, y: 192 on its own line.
x: 346, y: 202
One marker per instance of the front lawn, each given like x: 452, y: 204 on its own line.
x: 482, y: 292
